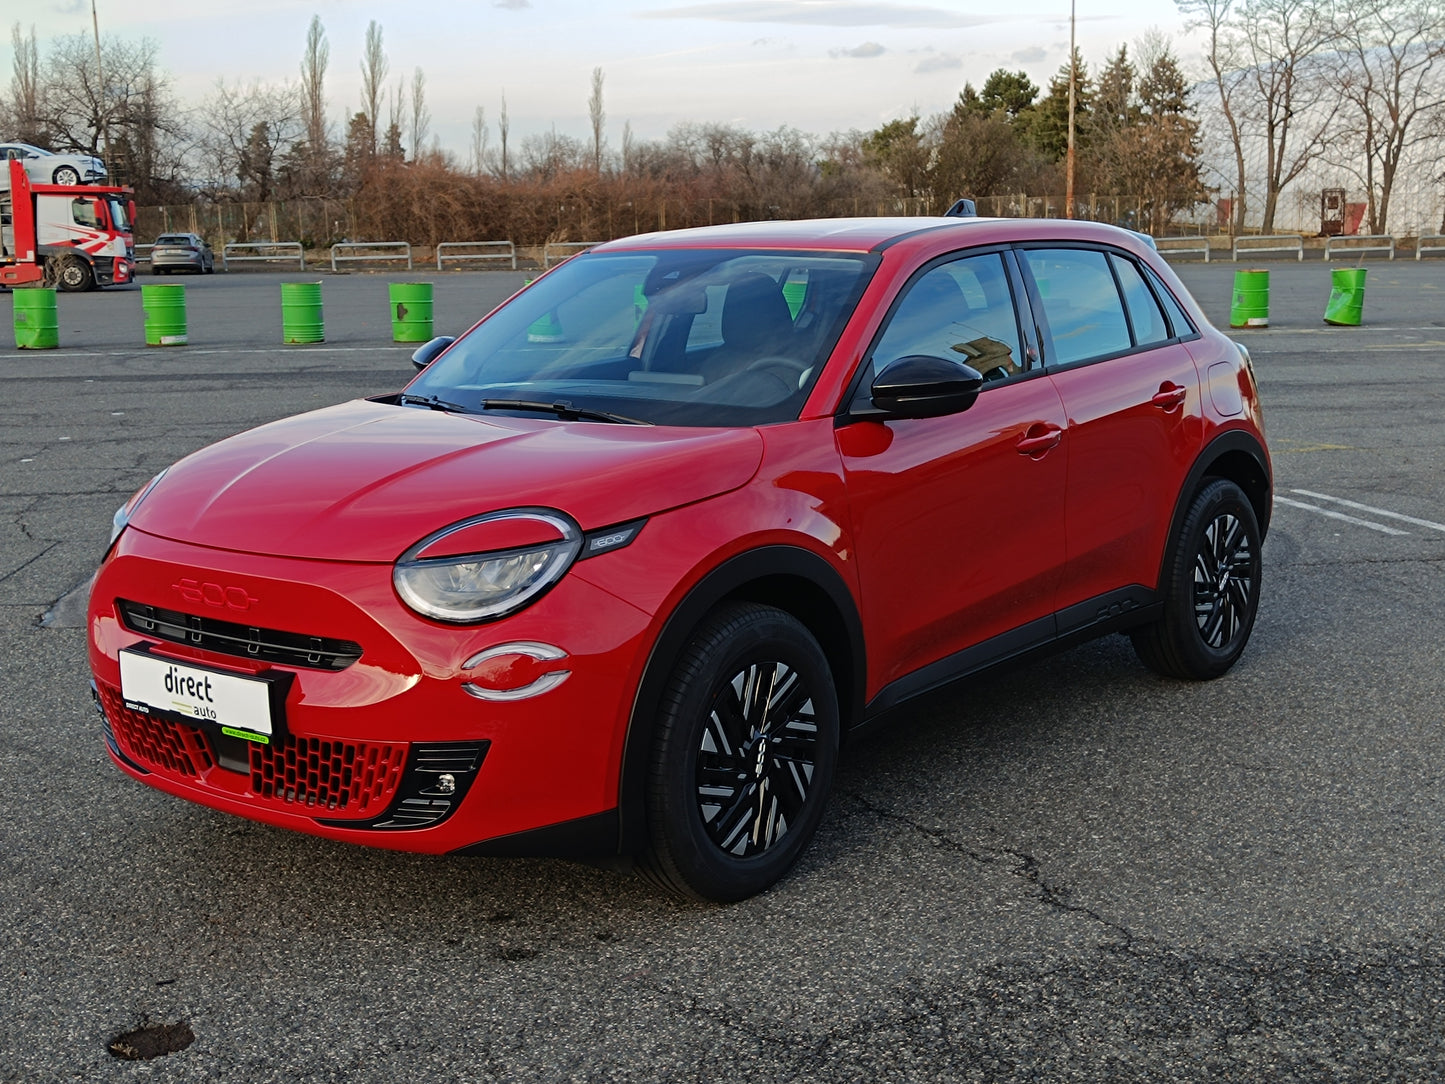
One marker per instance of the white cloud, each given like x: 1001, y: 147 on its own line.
x: 1033, y: 55
x: 938, y: 62
x: 866, y: 51
x: 823, y: 13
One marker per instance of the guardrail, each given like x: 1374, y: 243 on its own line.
x: 508, y: 251
x: 1281, y: 242
x: 143, y: 256
x: 347, y: 252
x: 262, y: 252
x: 1182, y: 246
x: 1377, y: 242
x: 568, y: 248
x: 1422, y: 247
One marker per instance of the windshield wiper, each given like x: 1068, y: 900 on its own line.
x: 435, y: 403
x: 564, y: 410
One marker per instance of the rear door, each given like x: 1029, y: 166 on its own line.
x: 1131, y: 393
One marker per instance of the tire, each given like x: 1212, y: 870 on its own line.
x: 74, y: 275
x: 738, y: 782
x: 66, y: 175
x: 1211, y: 588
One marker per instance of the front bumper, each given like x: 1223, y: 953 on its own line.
x: 389, y: 750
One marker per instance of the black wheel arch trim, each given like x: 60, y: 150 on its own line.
x: 842, y: 644
x: 1233, y: 442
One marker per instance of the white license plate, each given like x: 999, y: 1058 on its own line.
x: 239, y: 705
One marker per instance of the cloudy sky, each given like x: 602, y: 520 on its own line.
x: 816, y: 65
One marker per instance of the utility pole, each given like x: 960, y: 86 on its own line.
x: 100, y: 90
x: 1069, y: 154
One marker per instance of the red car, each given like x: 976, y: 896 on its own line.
x: 624, y: 566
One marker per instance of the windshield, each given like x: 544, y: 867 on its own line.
x: 679, y: 337
x: 118, y: 215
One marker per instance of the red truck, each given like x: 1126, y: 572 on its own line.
x: 72, y: 237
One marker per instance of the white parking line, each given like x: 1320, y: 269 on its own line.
x: 1430, y: 523
x: 1337, y: 515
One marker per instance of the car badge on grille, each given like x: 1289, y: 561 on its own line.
x: 214, y: 594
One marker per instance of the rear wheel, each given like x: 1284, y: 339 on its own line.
x: 744, y: 755
x: 1211, y: 588
x: 74, y: 275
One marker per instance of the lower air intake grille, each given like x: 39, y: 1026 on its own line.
x: 154, y: 741
x: 328, y: 775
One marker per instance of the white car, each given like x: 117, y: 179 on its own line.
x: 47, y: 167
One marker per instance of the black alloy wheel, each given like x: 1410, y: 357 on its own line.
x: 1211, y: 588
x: 744, y: 756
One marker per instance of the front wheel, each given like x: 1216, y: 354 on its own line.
x: 66, y: 175
x: 743, y: 759
x: 74, y: 275
x: 1211, y: 588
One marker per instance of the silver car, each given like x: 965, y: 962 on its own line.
x: 47, y: 167
x: 182, y: 252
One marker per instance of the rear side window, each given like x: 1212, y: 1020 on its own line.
x: 1081, y: 303
x: 1144, y: 313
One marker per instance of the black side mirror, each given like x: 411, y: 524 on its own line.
x: 923, y: 386
x: 427, y: 352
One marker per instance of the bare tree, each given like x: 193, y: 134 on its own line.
x: 479, y: 140
x: 598, y: 118
x: 1293, y: 99
x: 503, y: 127
x: 1391, y: 71
x: 25, y: 88
x: 391, y: 145
x: 1221, y: 53
x: 244, y: 131
x: 374, y: 67
x: 313, y: 89
x: 420, y: 114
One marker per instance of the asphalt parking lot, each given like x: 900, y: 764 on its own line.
x: 1070, y: 871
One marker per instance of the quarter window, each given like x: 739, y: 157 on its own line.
x: 1148, y: 322
x: 1081, y: 303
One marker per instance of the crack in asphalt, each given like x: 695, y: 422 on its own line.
x: 27, y: 563
x: 1026, y: 867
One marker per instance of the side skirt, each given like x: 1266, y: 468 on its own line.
x: 1095, y: 617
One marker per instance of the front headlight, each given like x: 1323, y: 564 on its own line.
x: 484, y: 583
x: 124, y: 512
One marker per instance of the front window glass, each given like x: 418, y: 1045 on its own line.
x: 681, y: 337
x: 962, y: 310
x: 84, y: 212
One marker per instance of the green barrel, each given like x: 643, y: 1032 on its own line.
x: 165, y: 309
x: 1250, y: 306
x: 36, y: 326
x: 1347, y: 297
x: 793, y: 294
x: 411, y: 312
x: 301, y: 313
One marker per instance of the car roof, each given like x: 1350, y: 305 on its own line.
x: 872, y: 234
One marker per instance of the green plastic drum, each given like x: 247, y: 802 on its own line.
x: 301, y: 313
x: 1250, y: 306
x: 411, y: 312
x: 165, y: 309
x: 36, y: 325
x: 1347, y: 297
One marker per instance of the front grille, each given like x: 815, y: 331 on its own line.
x: 353, y: 779
x: 327, y: 774
x: 245, y: 641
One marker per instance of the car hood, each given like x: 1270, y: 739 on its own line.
x: 364, y: 481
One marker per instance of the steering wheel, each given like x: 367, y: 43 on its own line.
x: 793, y: 369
